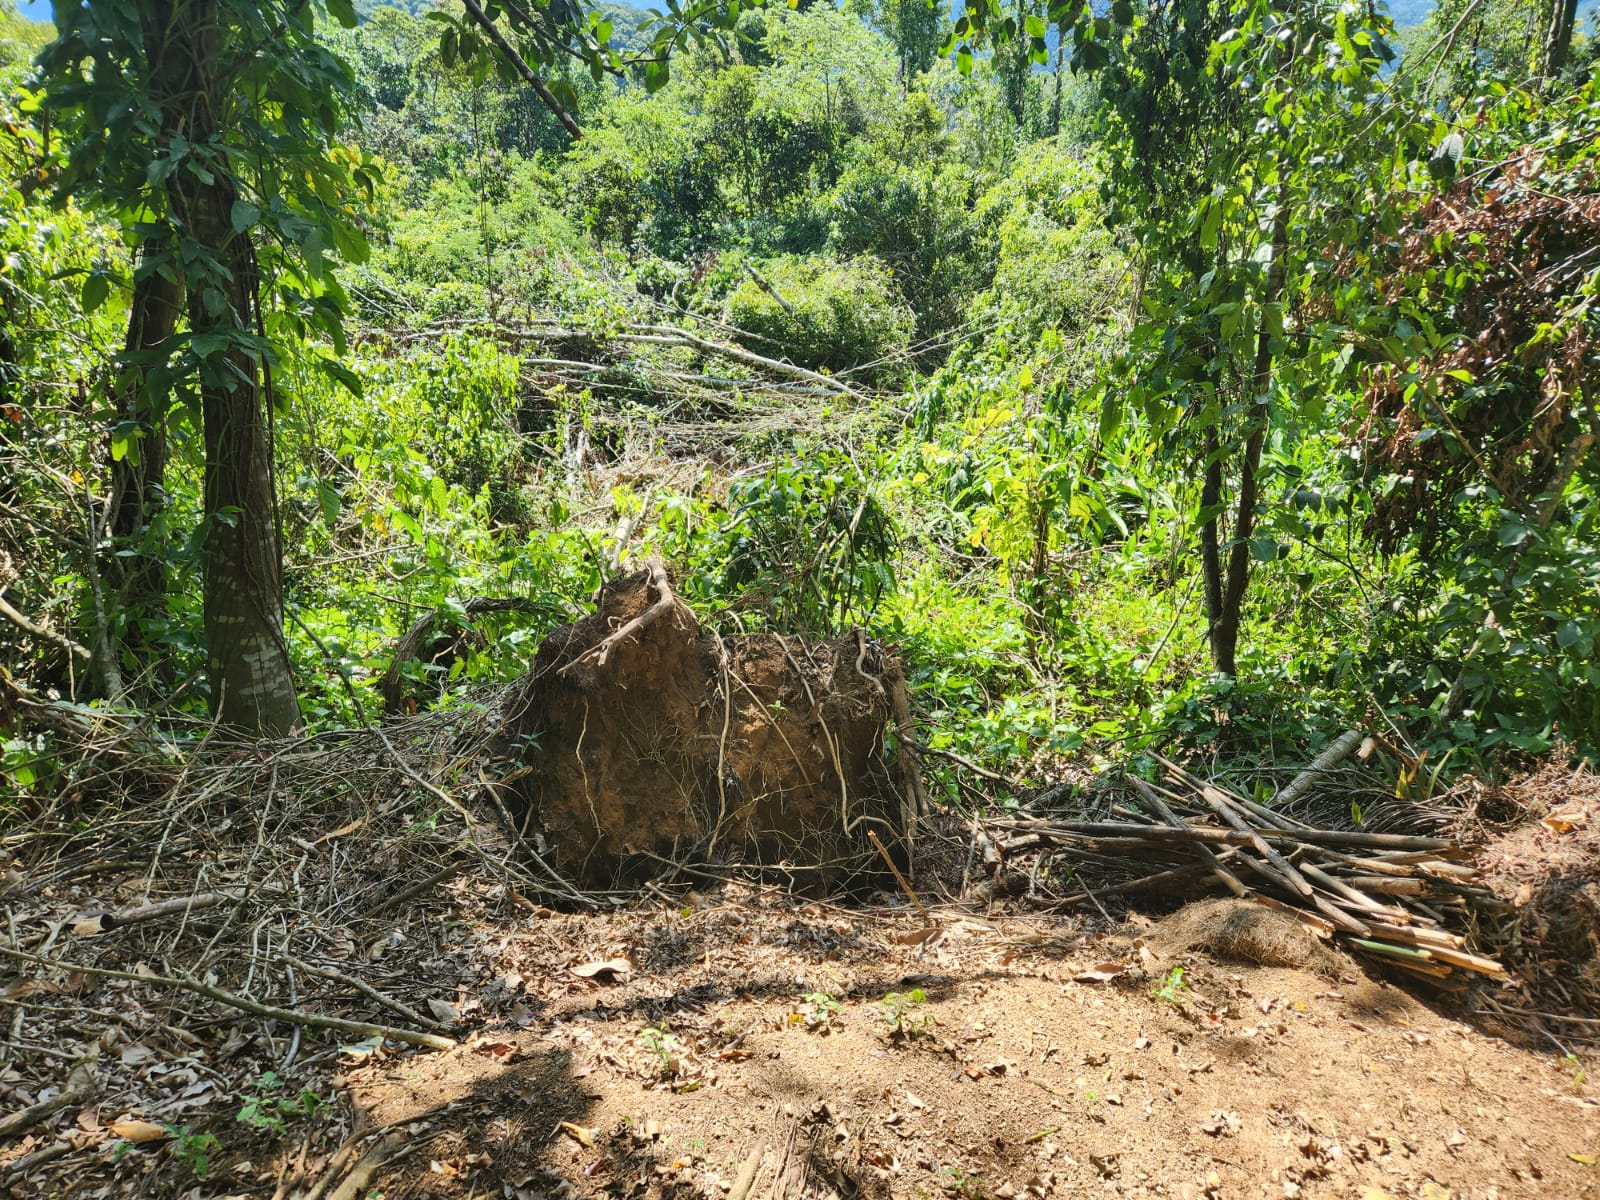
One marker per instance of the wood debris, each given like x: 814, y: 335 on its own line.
x: 1390, y: 896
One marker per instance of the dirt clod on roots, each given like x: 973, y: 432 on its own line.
x: 648, y: 741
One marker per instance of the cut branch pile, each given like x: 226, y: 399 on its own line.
x: 1386, y: 895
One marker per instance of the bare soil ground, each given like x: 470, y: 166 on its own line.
x: 739, y: 1043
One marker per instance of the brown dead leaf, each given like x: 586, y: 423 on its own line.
x: 449, y: 1014
x: 1102, y: 972
x: 916, y: 936
x: 1564, y: 820
x: 22, y: 988
x: 138, y: 1131
x: 610, y: 970
x: 1221, y: 1123
x: 584, y: 1137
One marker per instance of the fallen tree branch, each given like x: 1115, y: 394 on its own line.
x: 28, y: 1117
x: 355, y: 1184
x: 23, y: 623
x: 410, y: 1037
x: 366, y: 989
x: 672, y: 335
x: 417, y: 889
x: 984, y: 772
x: 17, y: 1170
x: 84, y: 926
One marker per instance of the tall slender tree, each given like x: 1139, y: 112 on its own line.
x: 212, y: 127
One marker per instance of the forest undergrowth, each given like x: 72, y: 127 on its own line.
x: 1179, y: 395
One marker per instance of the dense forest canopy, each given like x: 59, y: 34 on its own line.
x: 1210, y: 370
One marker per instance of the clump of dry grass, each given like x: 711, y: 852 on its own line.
x: 1244, y: 932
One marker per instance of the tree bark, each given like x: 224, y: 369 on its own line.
x: 1055, y: 105
x: 1211, y: 540
x: 138, y: 479
x: 1225, y: 624
x: 1557, y: 44
x: 247, y: 659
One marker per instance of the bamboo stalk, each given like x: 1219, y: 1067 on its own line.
x: 1185, y: 831
x: 1406, y: 953
x: 1297, y: 882
x: 1466, y: 961
x: 1228, y: 878
x: 1419, y: 935
x: 1359, y: 898
x: 1342, y: 748
x: 1390, y: 886
x: 1176, y: 875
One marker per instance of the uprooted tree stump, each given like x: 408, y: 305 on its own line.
x: 648, y: 742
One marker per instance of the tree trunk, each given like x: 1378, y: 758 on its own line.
x: 1557, y: 44
x: 1225, y: 625
x: 138, y: 478
x: 252, y: 686
x: 1211, y: 542
x: 1055, y: 105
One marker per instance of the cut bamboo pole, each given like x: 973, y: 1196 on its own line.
x: 1219, y: 803
x: 1359, y: 898
x: 1340, y: 749
x: 1419, y: 935
x: 1228, y: 878
x: 1466, y: 961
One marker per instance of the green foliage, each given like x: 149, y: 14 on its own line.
x: 903, y: 1013
x: 194, y: 1150
x: 1164, y: 326
x: 819, y: 1011
x: 823, y: 314
x: 264, y: 1109
x: 1172, y: 988
x: 1056, y: 264
x: 808, y: 547
x: 300, y: 201
x: 26, y: 764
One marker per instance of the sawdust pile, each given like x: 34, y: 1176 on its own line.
x: 646, y: 741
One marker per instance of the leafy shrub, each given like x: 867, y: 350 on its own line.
x: 1056, y: 264
x: 812, y: 544
x: 918, y: 220
x: 832, y: 315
